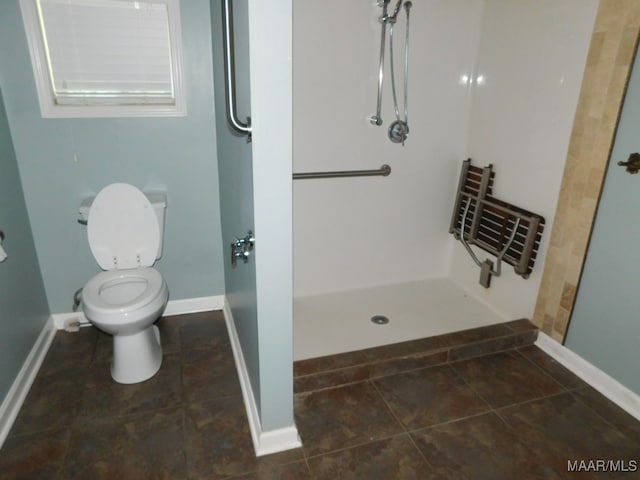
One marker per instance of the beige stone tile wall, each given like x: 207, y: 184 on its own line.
x: 609, y: 63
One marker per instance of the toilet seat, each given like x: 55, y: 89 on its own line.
x: 122, y: 228
x: 119, y: 292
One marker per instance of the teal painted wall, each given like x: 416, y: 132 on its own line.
x: 23, y: 305
x: 256, y: 193
x: 236, y: 188
x: 175, y: 155
x: 272, y: 117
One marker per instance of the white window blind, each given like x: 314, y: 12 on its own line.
x: 109, y: 53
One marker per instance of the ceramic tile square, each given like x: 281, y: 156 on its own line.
x: 203, y: 330
x: 103, y: 396
x: 292, y: 471
x: 70, y: 350
x: 53, y: 401
x: 170, y: 334
x: 610, y: 412
x: 209, y: 373
x: 342, y: 417
x: 392, y: 458
x: 490, y: 346
x: 34, y: 455
x: 561, y: 428
x: 551, y: 367
x: 506, y: 378
x: 148, y: 445
x: 416, y: 397
x: 218, y: 442
x: 491, y: 449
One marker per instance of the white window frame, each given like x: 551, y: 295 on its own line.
x: 51, y: 109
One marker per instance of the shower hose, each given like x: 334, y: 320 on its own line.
x: 399, y: 128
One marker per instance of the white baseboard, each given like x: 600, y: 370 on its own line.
x: 174, y: 307
x: 271, y: 441
x: 61, y: 319
x: 606, y: 385
x: 20, y: 388
x: 194, y: 305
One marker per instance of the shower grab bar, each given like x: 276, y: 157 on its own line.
x: 237, y: 126
x: 383, y: 171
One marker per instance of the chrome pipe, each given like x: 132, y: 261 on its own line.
x: 377, y: 118
x: 383, y: 171
x: 407, y: 8
x: 384, y: 18
x: 237, y: 126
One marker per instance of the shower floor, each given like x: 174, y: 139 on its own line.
x: 341, y: 322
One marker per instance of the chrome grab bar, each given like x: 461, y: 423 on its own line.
x: 236, y: 125
x: 383, y: 171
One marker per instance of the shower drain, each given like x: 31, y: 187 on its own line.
x: 380, y: 319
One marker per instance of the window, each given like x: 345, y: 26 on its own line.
x: 106, y: 58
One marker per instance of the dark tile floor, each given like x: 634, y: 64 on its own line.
x: 510, y: 414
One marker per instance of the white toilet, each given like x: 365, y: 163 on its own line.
x: 125, y: 229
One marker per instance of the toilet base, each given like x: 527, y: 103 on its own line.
x: 136, y: 357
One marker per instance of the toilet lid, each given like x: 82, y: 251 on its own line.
x: 122, y: 228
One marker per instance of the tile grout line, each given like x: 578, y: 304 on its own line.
x: 596, y: 412
x: 457, y: 374
x: 357, y: 445
x: 404, y: 428
x: 530, y: 400
x: 385, y: 437
x: 542, y: 370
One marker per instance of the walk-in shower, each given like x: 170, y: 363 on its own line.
x: 491, y: 80
x: 399, y: 128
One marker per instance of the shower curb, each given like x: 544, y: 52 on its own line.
x: 351, y: 367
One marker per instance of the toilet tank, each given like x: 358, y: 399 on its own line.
x: 158, y: 202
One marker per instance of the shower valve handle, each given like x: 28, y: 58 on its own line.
x: 242, y: 248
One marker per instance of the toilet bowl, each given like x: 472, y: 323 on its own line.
x: 126, y: 299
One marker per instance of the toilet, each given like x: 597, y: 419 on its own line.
x: 125, y: 229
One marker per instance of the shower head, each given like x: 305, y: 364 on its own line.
x: 392, y: 18
x: 407, y: 6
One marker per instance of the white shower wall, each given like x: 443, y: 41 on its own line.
x: 358, y: 232
x: 531, y: 56
x: 354, y: 233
